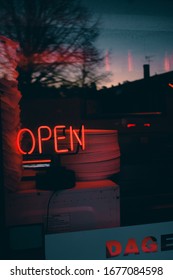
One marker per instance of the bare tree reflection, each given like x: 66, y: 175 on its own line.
x: 57, y: 41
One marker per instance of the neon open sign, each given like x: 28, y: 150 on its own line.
x: 45, y: 133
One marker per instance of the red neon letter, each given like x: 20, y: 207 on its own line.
x: 147, y: 124
x: 81, y: 141
x: 131, y: 125
x: 171, y: 85
x: 149, y: 244
x: 40, y: 139
x: 131, y: 247
x: 59, y: 138
x: 21, y: 132
x: 113, y: 248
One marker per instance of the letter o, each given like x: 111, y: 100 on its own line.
x: 20, y: 133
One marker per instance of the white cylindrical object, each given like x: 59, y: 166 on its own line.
x: 99, y: 160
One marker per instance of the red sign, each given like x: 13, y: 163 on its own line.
x: 149, y: 244
x: 45, y: 134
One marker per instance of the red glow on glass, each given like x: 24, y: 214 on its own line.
x: 107, y: 62
x: 130, y: 62
x: 166, y: 63
x: 56, y: 138
x: 54, y: 57
x: 131, y: 125
x: 170, y: 85
x: 36, y: 161
x: 41, y: 139
x: 147, y: 124
x: 19, y: 136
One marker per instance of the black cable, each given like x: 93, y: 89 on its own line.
x: 55, y: 191
x: 78, y: 145
x: 47, y: 212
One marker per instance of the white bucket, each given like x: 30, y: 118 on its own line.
x: 99, y: 160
